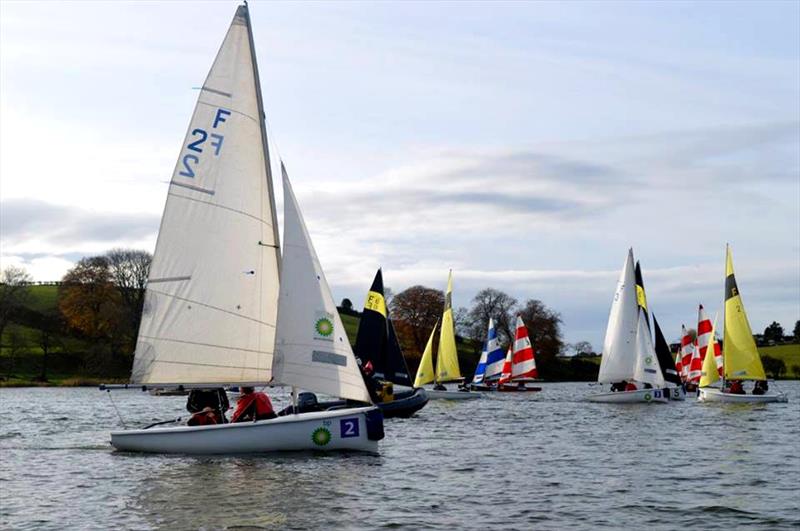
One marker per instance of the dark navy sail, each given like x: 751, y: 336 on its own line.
x: 665, y: 359
x: 373, y: 331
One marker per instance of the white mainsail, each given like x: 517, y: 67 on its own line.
x: 211, y: 302
x: 647, y: 369
x: 312, y: 349
x: 619, y: 348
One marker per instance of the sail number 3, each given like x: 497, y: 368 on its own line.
x: 196, y: 140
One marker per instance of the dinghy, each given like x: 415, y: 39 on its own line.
x: 490, y: 366
x: 215, y: 313
x: 740, y: 358
x: 628, y: 353
x: 378, y: 346
x: 447, y: 368
x: 519, y: 367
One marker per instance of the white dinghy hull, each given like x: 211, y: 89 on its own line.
x: 451, y: 395
x: 675, y: 393
x: 357, y: 429
x: 630, y: 397
x: 712, y: 394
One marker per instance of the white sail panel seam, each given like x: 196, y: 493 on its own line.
x: 215, y: 91
x: 200, y: 344
x: 170, y: 362
x: 217, y: 205
x: 240, y: 113
x: 212, y: 308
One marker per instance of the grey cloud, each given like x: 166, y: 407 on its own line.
x: 26, y: 219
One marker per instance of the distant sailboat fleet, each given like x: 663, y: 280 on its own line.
x: 227, y: 305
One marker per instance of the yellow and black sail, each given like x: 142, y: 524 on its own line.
x: 641, y: 298
x: 740, y: 355
x: 376, y: 341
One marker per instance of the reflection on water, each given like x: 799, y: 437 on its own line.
x: 546, y: 460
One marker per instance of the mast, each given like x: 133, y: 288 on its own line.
x: 262, y: 123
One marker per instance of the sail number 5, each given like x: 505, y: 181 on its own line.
x: 196, y: 140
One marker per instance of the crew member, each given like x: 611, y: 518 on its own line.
x: 253, y: 405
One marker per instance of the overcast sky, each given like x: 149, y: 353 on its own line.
x: 524, y: 145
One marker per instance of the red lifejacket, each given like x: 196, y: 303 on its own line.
x: 630, y: 386
x: 263, y: 407
x: 204, y: 418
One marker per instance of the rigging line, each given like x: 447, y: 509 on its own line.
x: 201, y: 102
x: 211, y: 307
x: 116, y: 409
x: 198, y: 343
x: 217, y: 205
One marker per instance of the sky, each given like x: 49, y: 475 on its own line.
x: 525, y: 145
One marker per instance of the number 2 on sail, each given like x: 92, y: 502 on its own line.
x: 197, y: 139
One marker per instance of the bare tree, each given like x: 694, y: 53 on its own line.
x: 418, y: 309
x: 128, y: 270
x: 544, y: 330
x: 14, y: 292
x: 495, y: 304
x: 582, y: 348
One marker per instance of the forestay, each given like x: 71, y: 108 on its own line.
x: 211, y: 300
x: 619, y: 349
x: 312, y: 349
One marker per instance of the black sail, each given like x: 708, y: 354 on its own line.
x: 373, y: 330
x: 665, y: 359
x: 641, y: 298
x: 396, y: 368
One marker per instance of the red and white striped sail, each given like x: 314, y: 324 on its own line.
x: 523, y: 361
x: 505, y: 376
x: 704, y: 328
x: 679, y: 365
x: 687, y: 348
x: 696, y: 365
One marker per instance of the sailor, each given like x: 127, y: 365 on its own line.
x: 206, y: 417
x: 252, y: 406
x: 761, y: 387
x: 736, y: 388
x: 630, y: 386
x: 619, y: 386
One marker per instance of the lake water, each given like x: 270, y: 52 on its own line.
x: 539, y: 461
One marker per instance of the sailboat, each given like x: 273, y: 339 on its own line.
x: 628, y: 353
x: 519, y: 368
x: 377, y: 344
x: 672, y: 381
x: 741, y: 360
x: 490, y: 365
x: 222, y: 307
x: 447, y: 368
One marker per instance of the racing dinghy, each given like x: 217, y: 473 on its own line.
x: 629, y: 360
x: 447, y: 367
x: 519, y: 368
x: 215, y: 313
x: 741, y: 361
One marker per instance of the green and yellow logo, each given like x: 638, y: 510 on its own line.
x: 648, y: 360
x: 647, y: 397
x: 321, y: 436
x: 324, y: 327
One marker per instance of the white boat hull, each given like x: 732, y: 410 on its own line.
x: 712, y: 394
x: 433, y: 394
x: 646, y: 396
x: 345, y: 429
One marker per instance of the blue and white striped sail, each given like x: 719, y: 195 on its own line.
x: 494, y: 354
x: 480, y: 370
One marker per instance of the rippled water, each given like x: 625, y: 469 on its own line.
x: 544, y: 461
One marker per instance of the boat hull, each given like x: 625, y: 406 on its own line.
x: 403, y: 405
x: 647, y: 396
x: 434, y: 394
x: 675, y: 394
x: 712, y: 394
x: 356, y: 429
x: 512, y: 388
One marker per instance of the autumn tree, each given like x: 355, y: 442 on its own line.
x: 88, y: 299
x: 497, y: 305
x: 415, y: 312
x: 14, y: 292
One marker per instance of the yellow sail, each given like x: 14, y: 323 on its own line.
x: 447, y: 362
x: 740, y: 355
x: 709, y: 373
x: 425, y: 369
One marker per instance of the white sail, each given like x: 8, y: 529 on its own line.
x: 211, y: 303
x: 619, y: 348
x: 647, y: 369
x: 312, y: 349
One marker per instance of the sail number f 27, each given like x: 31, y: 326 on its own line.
x: 197, y: 139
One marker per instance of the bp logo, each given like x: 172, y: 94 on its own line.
x: 323, y: 326
x: 321, y: 436
x: 648, y: 360
x: 647, y: 397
